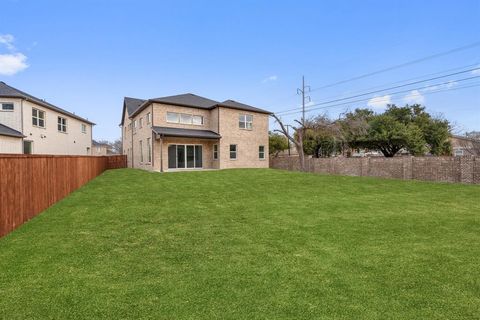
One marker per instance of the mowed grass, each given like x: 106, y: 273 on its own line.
x: 247, y: 244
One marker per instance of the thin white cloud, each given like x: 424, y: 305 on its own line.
x: 7, y: 40
x: 414, y: 97
x: 448, y: 85
x: 271, y: 78
x: 13, y: 63
x: 476, y: 71
x: 380, y: 102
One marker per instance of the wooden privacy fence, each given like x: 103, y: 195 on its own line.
x: 31, y: 183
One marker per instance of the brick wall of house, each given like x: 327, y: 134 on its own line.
x: 442, y: 169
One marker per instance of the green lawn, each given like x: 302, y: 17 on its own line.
x: 247, y: 244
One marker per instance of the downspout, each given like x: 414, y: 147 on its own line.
x: 161, y: 153
x: 21, y: 120
x: 153, y: 141
x: 219, y: 142
x: 132, y: 140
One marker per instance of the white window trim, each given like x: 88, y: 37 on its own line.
x: 260, y: 158
x: 62, y: 125
x: 38, y: 118
x: 179, y: 117
x: 244, y: 115
x: 215, y: 152
x: 7, y: 110
x: 230, y: 152
x: 83, y: 125
x: 149, y: 150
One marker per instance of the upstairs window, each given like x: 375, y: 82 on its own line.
x: 173, y: 117
x: 7, y: 107
x: 261, y: 152
x: 62, y: 124
x: 198, y: 120
x: 245, y: 121
x: 84, y: 128
x: 149, y: 118
x: 185, y: 118
x: 38, y: 118
x: 140, y: 123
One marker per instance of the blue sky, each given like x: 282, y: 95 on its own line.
x: 86, y: 56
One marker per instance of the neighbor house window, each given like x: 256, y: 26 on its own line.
x: 38, y: 118
x: 233, y: 151
x: 215, y: 152
x: 134, y: 124
x: 84, y: 128
x: 173, y: 117
x: 7, y: 107
x: 245, y: 121
x: 27, y: 147
x: 149, y: 150
x: 458, y: 152
x: 62, y: 124
x: 149, y: 117
x: 140, y: 123
x: 141, y: 151
x: 261, y: 152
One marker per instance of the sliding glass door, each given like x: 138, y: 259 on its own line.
x: 181, y: 156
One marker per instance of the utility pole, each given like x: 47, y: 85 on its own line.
x: 304, y: 97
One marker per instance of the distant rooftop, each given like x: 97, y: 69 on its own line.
x: 11, y: 92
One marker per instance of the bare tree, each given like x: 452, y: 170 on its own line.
x: 117, y: 146
x: 296, y: 139
x: 471, y: 146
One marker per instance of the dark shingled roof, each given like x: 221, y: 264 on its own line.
x: 237, y: 105
x: 187, y: 133
x: 10, y: 92
x: 132, y: 104
x: 185, y: 100
x: 7, y: 131
x: 188, y: 99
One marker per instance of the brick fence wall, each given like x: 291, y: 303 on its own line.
x: 445, y: 169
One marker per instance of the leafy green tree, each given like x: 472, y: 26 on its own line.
x: 276, y: 143
x: 409, y: 127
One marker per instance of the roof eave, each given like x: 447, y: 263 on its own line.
x: 244, y: 109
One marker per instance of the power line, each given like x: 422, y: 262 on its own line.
x: 441, y: 54
x: 391, y: 88
x: 409, y: 79
x: 392, y: 93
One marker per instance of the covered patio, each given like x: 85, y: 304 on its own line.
x: 184, y: 149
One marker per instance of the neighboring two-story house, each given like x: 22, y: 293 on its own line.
x: 191, y: 132
x: 33, y: 126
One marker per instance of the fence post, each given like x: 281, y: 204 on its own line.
x: 466, y: 169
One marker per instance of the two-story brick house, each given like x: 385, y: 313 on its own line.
x: 31, y: 125
x: 191, y: 132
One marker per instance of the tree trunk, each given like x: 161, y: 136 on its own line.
x: 298, y: 143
